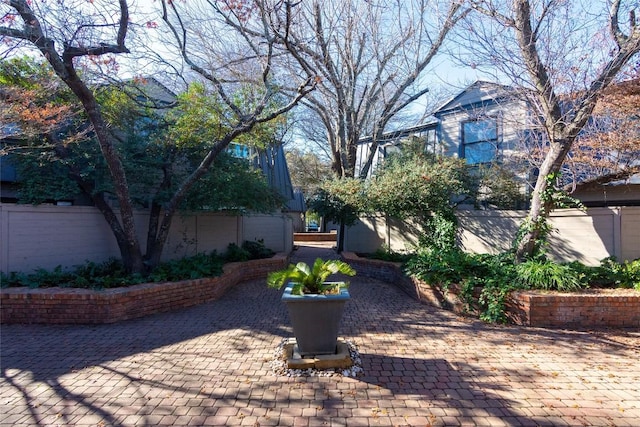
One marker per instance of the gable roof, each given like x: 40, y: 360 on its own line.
x: 273, y: 164
x: 152, y: 90
x: 478, y: 92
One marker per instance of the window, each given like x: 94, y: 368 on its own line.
x: 480, y: 140
x: 389, y: 149
x: 431, y: 141
x: 239, y: 151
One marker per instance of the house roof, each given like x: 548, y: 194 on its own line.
x: 478, y: 92
x: 273, y: 164
x: 430, y: 123
x: 297, y: 203
x: 152, y: 90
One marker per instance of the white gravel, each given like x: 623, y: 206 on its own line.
x: 279, y: 365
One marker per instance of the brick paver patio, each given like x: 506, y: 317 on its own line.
x: 211, y: 365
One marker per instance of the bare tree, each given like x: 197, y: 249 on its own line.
x: 68, y: 33
x: 308, y: 170
x: 369, y: 57
x: 563, y: 55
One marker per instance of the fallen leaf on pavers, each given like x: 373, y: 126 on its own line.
x: 377, y: 412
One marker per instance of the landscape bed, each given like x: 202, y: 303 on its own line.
x: 86, y: 306
x: 589, y: 308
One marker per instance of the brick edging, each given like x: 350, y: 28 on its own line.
x: 85, y: 306
x: 314, y: 237
x: 578, y: 310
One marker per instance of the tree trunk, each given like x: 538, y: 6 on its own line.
x: 529, y: 243
x: 130, y: 249
x: 561, y: 130
x: 535, y: 224
x: 340, y: 244
x: 164, y: 218
x: 107, y: 212
x: 364, y: 172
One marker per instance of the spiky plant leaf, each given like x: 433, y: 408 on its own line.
x: 311, y: 279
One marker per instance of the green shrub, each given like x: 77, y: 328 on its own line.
x: 626, y: 275
x: 610, y: 273
x: 492, y: 300
x: 449, y: 267
x: 498, y: 275
x: 387, y: 254
x: 599, y: 276
x: 494, y: 274
x: 444, y: 268
x: 249, y: 250
x: 39, y: 278
x: 633, y: 274
x: 497, y: 283
x: 549, y: 275
x: 257, y: 249
x: 195, y: 267
x: 12, y: 279
x: 108, y: 274
x: 236, y: 253
x: 111, y: 274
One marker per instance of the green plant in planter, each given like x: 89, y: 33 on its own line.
x: 311, y: 280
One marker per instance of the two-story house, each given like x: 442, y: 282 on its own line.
x: 482, y: 124
x: 487, y: 124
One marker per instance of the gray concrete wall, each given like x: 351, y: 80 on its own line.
x: 630, y: 232
x: 46, y: 236
x: 585, y: 237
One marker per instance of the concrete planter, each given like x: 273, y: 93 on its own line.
x: 315, y: 320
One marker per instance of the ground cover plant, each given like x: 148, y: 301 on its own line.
x: 112, y: 273
x: 249, y: 250
x: 387, y: 254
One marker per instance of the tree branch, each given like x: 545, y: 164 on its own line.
x: 533, y: 62
x: 614, y: 24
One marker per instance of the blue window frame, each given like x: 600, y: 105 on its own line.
x: 480, y: 140
x: 239, y: 151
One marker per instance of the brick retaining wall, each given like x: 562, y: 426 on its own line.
x: 588, y: 308
x: 580, y: 310
x: 314, y: 237
x: 84, y: 306
x: 591, y: 308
